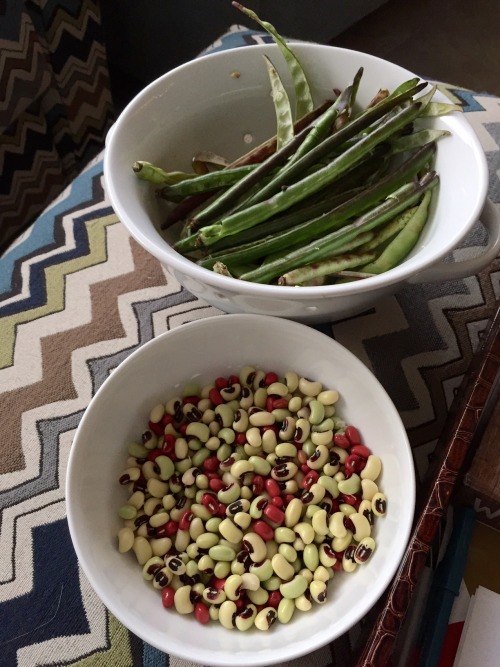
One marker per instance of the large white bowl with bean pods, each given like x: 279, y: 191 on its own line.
x: 203, y: 105
x: 199, y: 352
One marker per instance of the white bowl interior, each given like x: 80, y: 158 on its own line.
x: 217, y: 102
x: 200, y: 351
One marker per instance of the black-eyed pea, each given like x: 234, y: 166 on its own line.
x: 303, y: 603
x: 292, y: 485
x: 336, y: 525
x: 214, y: 596
x: 284, y: 471
x: 175, y: 564
x: 330, y: 485
x: 294, y: 588
x: 258, y: 597
x: 309, y: 387
x: 182, y: 600
x: 341, y: 543
x: 265, y: 618
x: 314, y: 495
x: 373, y: 468
x: 320, y: 455
x: 282, y: 535
x: 282, y: 568
x: 224, y: 415
x: 238, y: 506
x: 310, y: 556
x: 319, y: 522
x: 163, y: 577
x: 351, y: 485
x: 227, y: 614
x: 318, y: 591
x: 244, y: 619
x: 150, y: 470
x: 229, y: 493
x: 151, y: 567
x: 240, y: 423
x: 293, y: 512
x: 255, y: 546
x: 341, y: 453
x: 227, y: 435
x: 379, y: 504
x: 305, y: 531
x: 327, y: 557
x: 206, y: 565
x: 263, y: 570
x: 287, y: 429
x: 365, y: 508
x: 348, y: 562
x: 246, y: 398
x: 130, y: 474
x: 302, y: 430
x: 247, y: 375
x: 231, y: 392
x: 173, y: 405
x: 361, y: 525
x: 257, y: 506
x: 142, y: 549
x: 368, y: 489
x: 192, y: 571
x: 233, y: 587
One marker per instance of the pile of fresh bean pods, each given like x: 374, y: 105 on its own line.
x: 246, y: 496
x: 341, y: 192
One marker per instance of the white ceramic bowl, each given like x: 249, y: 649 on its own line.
x: 200, y: 105
x: 201, y: 351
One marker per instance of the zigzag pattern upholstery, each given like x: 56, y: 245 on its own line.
x: 55, y: 103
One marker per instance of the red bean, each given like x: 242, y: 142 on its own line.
x: 361, y: 450
x: 185, y: 519
x: 167, y: 597
x: 274, y: 514
x: 241, y: 438
x: 216, y: 484
x: 272, y: 487
x: 353, y: 436
x: 154, y: 454
x: 310, y: 478
x: 201, y: 613
x: 221, y: 383
x: 156, y: 427
x: 211, y: 464
x: 278, y: 501
x: 274, y: 599
x: 352, y: 464
x: 270, y: 378
x: 340, y: 440
x: 257, y: 485
x: 168, y: 529
x: 263, y: 529
x: 194, y: 400
x: 215, y: 396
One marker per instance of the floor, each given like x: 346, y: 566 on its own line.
x: 455, y: 41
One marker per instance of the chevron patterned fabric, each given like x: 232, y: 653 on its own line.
x: 55, y: 105
x: 78, y: 295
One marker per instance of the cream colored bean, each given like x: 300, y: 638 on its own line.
x: 321, y: 573
x: 286, y: 609
x: 227, y: 613
x: 330, y: 484
x: 239, y: 468
x: 319, y: 522
x: 369, y: 489
x: 233, y: 587
x: 341, y: 543
x: 295, y: 404
x: 254, y: 437
x: 157, y: 488
x: 305, y: 531
x: 303, y: 603
x: 292, y: 589
x: 322, y: 437
x: 293, y: 512
x: 309, y: 387
x: 373, y: 468
x: 361, y: 525
x: 182, y: 600
x: 317, y: 412
x: 142, y: 549
x: 328, y: 396
x: 261, y: 418
x: 278, y: 389
x: 126, y: 539
x: 160, y: 545
x: 268, y: 441
x: 284, y: 535
x: 310, y: 556
x: 159, y: 519
x: 283, y: 569
x: 230, y: 531
x: 157, y: 413
x: 351, y: 485
x: 336, y: 525
x: 198, y: 430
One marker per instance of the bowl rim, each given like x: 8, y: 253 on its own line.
x: 175, y: 261
x: 377, y: 588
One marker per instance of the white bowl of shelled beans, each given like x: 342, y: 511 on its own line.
x: 240, y: 491
x: 220, y: 103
